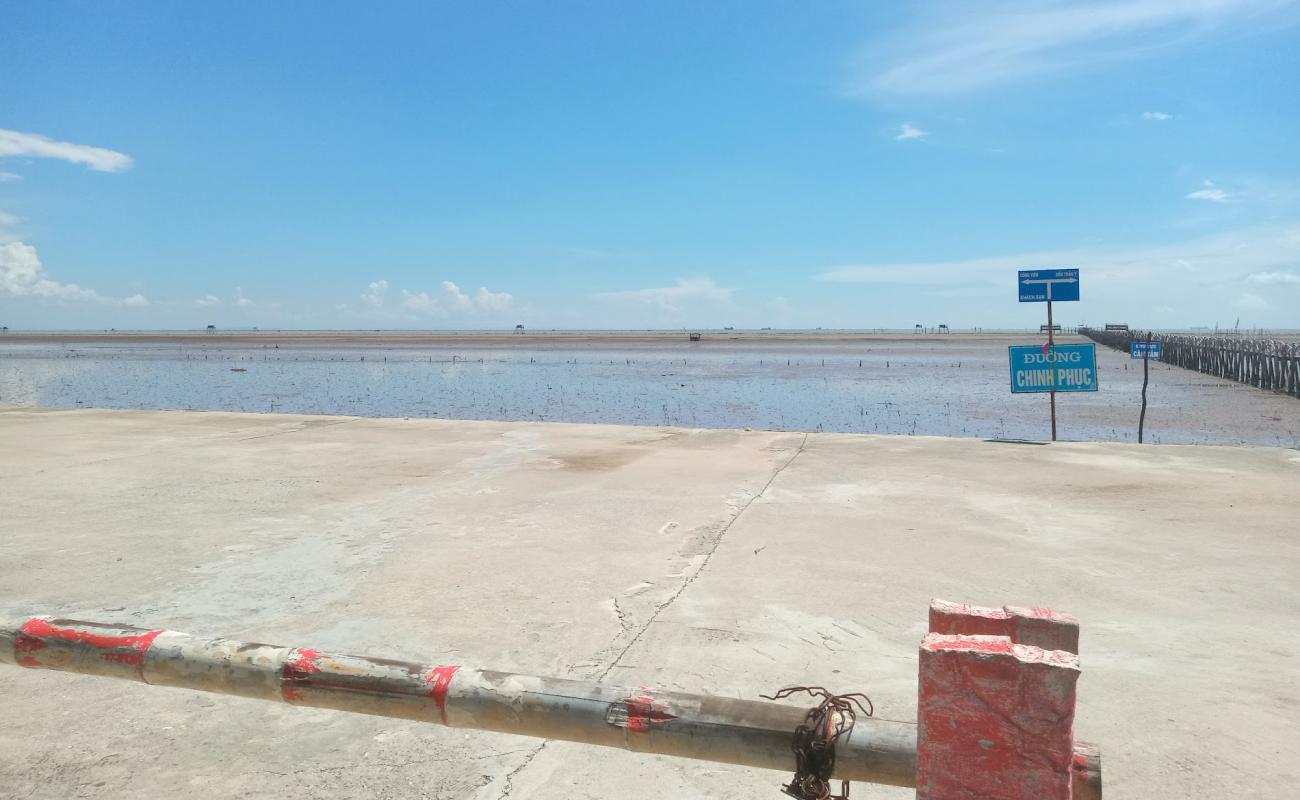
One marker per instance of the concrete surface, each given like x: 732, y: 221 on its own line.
x: 726, y: 562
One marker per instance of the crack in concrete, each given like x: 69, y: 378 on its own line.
x: 717, y: 542
x: 713, y: 548
x: 308, y: 426
x: 510, y: 777
x: 622, y: 616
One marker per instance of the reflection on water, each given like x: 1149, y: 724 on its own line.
x: 922, y: 388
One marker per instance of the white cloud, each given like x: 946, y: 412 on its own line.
x: 953, y: 48
x: 375, y: 293
x: 1251, y: 301
x: 1209, y: 192
x: 1225, y: 260
x: 492, y: 301
x: 455, y: 298
x: 7, y: 219
x: 5, y: 177
x: 207, y: 300
x: 451, y: 301
x: 907, y: 132
x: 22, y: 275
x: 1274, y: 278
x: 241, y: 300
x: 16, y: 143
x: 673, y: 298
x: 1156, y: 116
x: 417, y: 301
x: 483, y: 301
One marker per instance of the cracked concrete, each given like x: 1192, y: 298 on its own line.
x: 715, y: 541
x: 725, y: 562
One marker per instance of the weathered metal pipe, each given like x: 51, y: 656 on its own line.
x: 745, y: 732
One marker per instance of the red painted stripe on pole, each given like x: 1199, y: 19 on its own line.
x: 643, y: 711
x: 27, y: 643
x: 36, y: 634
x: 438, y: 679
x: 297, y: 672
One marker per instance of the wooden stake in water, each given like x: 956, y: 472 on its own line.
x: 1142, y: 418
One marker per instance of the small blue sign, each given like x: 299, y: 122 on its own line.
x: 1041, y: 285
x: 1047, y: 368
x: 1147, y: 350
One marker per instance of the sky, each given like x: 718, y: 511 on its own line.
x: 658, y: 165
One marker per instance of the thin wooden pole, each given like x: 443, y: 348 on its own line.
x: 1051, y: 348
x: 1146, y: 355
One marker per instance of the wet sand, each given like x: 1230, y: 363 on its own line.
x: 851, y: 382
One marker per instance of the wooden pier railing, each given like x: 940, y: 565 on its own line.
x: 1265, y: 363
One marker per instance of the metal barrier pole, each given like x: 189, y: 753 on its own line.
x: 746, y: 732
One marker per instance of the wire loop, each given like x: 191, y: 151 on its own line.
x: 815, y: 739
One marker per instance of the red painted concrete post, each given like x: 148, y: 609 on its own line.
x: 1040, y: 627
x: 960, y: 619
x: 996, y: 706
x: 1043, y: 627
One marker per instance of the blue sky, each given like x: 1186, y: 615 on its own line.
x: 672, y: 164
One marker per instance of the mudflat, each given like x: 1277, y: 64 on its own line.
x: 387, y: 338
x: 936, y: 385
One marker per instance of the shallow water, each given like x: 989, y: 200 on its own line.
x: 955, y: 387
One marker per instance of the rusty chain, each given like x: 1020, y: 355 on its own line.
x: 815, y: 739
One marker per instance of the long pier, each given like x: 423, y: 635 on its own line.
x: 1264, y: 363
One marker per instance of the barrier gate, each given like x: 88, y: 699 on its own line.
x: 995, y: 706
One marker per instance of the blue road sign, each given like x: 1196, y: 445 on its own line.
x: 1062, y: 367
x: 1149, y: 350
x: 1041, y: 285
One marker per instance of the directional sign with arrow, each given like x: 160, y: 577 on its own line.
x: 1047, y: 285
